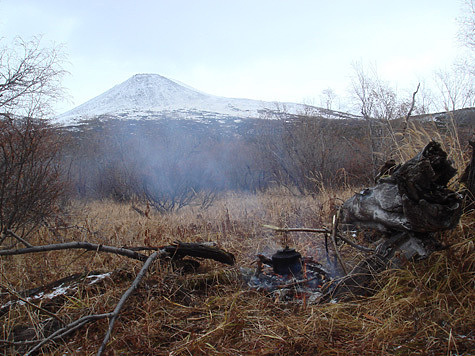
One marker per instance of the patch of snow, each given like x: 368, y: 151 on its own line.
x: 60, y: 290
x: 98, y: 277
x: 146, y: 95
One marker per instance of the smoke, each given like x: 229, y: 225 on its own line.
x: 168, y: 162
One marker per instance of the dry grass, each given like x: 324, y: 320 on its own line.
x: 426, y: 309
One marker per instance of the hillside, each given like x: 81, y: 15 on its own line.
x: 152, y: 96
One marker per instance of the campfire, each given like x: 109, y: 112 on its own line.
x: 287, y: 276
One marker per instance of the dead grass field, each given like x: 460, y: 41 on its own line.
x: 425, y: 309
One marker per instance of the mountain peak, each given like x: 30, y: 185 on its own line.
x: 152, y: 96
x: 142, y: 92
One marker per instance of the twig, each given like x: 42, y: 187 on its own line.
x: 18, y: 343
x: 296, y: 283
x: 18, y: 296
x: 322, y: 231
x: 336, y: 219
x: 406, y: 119
x: 352, y: 244
x: 296, y: 229
x: 327, y: 252
x: 76, y: 245
x: 23, y: 241
x: 140, y: 211
x: 68, y: 329
x: 115, y: 313
x: 3, y: 236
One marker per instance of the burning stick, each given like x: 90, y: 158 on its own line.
x: 296, y: 283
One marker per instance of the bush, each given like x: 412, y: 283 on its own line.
x: 30, y: 184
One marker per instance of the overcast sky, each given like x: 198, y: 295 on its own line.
x: 272, y: 50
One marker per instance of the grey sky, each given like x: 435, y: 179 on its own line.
x: 262, y: 49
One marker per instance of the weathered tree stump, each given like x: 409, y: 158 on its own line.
x: 407, y: 208
x: 413, y: 198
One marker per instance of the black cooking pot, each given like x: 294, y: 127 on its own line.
x: 287, y: 261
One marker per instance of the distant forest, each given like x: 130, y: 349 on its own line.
x: 171, y: 162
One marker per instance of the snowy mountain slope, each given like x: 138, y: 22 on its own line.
x: 151, y: 96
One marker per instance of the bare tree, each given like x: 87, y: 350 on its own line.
x: 380, y: 104
x: 466, y: 32
x: 30, y: 78
x: 374, y: 107
x: 327, y: 98
x: 29, y: 172
x: 456, y: 88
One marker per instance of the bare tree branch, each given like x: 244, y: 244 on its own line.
x: 322, y: 231
x: 23, y: 241
x: 76, y: 245
x: 115, y: 313
x: 24, y: 300
x: 297, y: 229
x: 30, y: 77
x: 336, y: 219
x: 77, y: 324
x: 411, y: 108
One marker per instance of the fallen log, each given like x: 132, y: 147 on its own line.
x: 177, y: 250
x: 181, y: 249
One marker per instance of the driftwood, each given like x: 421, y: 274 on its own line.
x: 407, y: 208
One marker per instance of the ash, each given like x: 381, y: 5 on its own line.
x: 304, y: 287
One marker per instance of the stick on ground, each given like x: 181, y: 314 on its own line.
x: 76, y: 245
x: 115, y: 313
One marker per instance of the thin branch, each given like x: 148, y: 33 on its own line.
x: 296, y: 229
x: 23, y: 241
x: 18, y: 343
x: 115, y: 313
x: 3, y: 236
x: 321, y: 231
x: 411, y: 108
x: 18, y: 296
x: 352, y: 244
x: 68, y: 329
x: 296, y: 283
x: 336, y: 219
x: 84, y: 320
x: 76, y: 245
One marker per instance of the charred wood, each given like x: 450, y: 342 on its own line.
x: 181, y: 249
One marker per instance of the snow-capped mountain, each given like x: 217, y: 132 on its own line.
x: 152, y: 96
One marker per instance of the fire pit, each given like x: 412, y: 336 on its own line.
x: 287, y: 276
